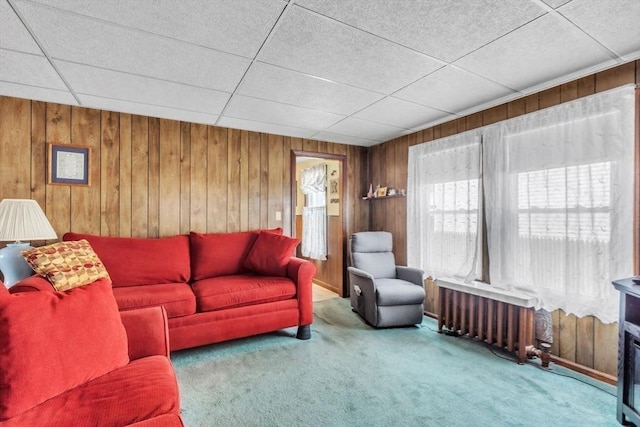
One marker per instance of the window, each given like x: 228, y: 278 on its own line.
x: 557, y: 191
x: 443, y: 238
x: 559, y: 202
x: 313, y: 183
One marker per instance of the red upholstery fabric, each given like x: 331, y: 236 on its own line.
x: 221, y: 254
x: 53, y: 342
x: 32, y: 284
x: 223, y: 325
x: 147, y: 332
x: 142, y: 389
x: 302, y: 272
x: 176, y: 298
x: 166, y: 420
x: 218, y: 293
x: 3, y: 289
x: 133, y: 261
x: 270, y: 254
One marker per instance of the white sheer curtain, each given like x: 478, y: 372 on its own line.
x: 559, y: 202
x: 313, y: 183
x: 443, y: 206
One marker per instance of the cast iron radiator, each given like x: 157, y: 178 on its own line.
x: 488, y: 314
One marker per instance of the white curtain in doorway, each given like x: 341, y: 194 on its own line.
x: 313, y: 183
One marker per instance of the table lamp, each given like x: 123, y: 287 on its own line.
x: 20, y: 219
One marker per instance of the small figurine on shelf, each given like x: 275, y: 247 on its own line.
x: 370, y: 193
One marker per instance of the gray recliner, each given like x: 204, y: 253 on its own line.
x: 383, y: 293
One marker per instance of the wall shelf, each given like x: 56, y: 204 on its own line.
x: 396, y: 196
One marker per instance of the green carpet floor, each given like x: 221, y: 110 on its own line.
x: 350, y: 374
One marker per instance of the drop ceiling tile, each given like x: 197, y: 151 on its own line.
x: 615, y: 24
x: 232, y: 26
x: 290, y: 87
x: 146, y: 109
x: 13, y: 34
x: 78, y: 39
x: 452, y: 89
x: 243, y: 107
x: 344, y: 139
x: 396, y: 112
x: 274, y: 129
x: 541, y: 51
x: 556, y: 3
x: 128, y: 87
x: 29, y: 69
x: 316, y: 45
x: 359, y: 128
x: 36, y: 93
x: 446, y: 30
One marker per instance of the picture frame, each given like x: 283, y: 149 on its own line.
x: 381, y: 192
x: 69, y: 165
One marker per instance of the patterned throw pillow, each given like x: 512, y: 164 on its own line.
x: 66, y: 265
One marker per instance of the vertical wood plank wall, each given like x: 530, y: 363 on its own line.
x: 154, y: 177
x: 586, y: 340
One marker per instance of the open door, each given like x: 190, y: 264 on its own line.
x: 330, y: 271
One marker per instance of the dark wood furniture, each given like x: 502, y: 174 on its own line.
x: 628, y: 407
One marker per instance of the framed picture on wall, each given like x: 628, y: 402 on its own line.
x: 69, y: 164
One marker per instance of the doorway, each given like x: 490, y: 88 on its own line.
x: 330, y: 272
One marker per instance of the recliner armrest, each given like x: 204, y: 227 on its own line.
x: 410, y: 274
x: 360, y: 273
x: 147, y: 332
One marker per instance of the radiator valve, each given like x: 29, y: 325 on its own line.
x: 542, y: 353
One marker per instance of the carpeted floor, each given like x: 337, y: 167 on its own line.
x: 350, y: 374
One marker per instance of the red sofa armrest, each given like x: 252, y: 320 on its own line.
x: 32, y: 284
x: 147, y: 332
x: 301, y: 272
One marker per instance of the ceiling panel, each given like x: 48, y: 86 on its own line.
x: 13, y: 34
x: 444, y: 89
x: 147, y: 109
x: 232, y: 26
x: 396, y: 112
x: 344, y: 139
x: 128, y: 87
x: 556, y: 3
x: 615, y: 24
x: 88, y: 41
x: 295, y: 132
x: 37, y: 93
x: 243, y: 107
x: 427, y: 26
x: 16, y: 68
x: 358, y: 72
x: 545, y: 49
x: 316, y: 45
x: 290, y: 87
x: 359, y: 128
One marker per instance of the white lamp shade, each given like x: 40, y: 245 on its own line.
x: 23, y: 220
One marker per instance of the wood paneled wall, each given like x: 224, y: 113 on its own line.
x: 154, y: 177
x: 585, y: 341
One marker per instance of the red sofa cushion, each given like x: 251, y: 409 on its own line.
x: 54, y: 341
x: 164, y: 260
x: 270, y: 254
x: 176, y: 298
x: 221, y: 254
x: 143, y: 389
x: 218, y: 293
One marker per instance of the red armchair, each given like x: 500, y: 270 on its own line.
x: 70, y: 358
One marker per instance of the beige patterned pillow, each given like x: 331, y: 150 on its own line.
x: 66, y: 265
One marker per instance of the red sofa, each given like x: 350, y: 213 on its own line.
x: 71, y: 359
x: 214, y: 287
